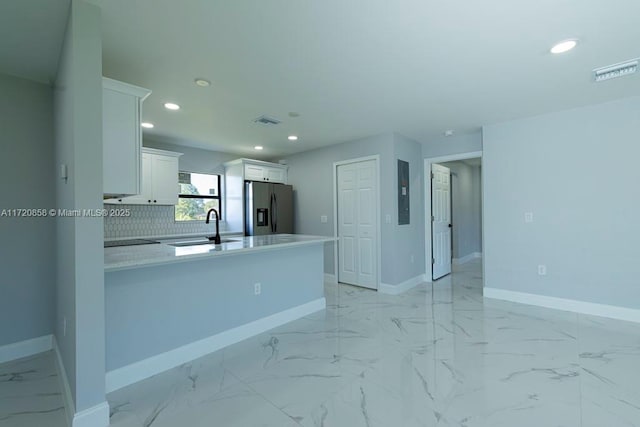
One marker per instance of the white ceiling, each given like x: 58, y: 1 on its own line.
x: 31, y: 35
x: 350, y: 68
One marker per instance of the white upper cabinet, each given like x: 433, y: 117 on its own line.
x: 276, y: 174
x: 255, y: 170
x: 159, y: 184
x: 121, y: 137
x: 164, y: 180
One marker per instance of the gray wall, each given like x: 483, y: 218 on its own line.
x: 466, y: 208
x: 26, y: 247
x: 409, y: 238
x: 444, y: 146
x: 153, y: 310
x: 311, y: 174
x: 194, y: 159
x: 577, y: 171
x: 79, y: 252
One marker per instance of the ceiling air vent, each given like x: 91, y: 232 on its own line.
x: 616, y: 70
x: 266, y: 120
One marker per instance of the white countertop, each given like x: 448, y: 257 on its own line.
x: 128, y: 257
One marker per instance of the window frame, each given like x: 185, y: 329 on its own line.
x: 200, y: 196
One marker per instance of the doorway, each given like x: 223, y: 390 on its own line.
x: 441, y: 222
x: 449, y: 233
x: 357, y: 222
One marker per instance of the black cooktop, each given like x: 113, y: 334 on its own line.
x: 131, y: 242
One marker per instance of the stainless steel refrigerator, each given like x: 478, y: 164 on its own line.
x: 268, y: 208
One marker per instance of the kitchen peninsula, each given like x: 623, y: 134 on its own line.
x: 174, y: 301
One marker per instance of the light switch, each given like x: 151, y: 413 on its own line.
x: 528, y: 217
x: 323, y: 219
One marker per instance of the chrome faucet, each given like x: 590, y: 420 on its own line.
x: 216, y: 238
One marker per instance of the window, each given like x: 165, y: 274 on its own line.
x: 199, y: 192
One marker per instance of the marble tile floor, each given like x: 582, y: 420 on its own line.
x: 439, y: 355
x: 30, y: 393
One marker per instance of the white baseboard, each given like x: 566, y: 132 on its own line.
x: 96, y: 416
x: 330, y: 278
x: 25, y: 348
x: 69, y: 405
x: 401, y: 287
x: 126, y: 375
x: 466, y: 258
x: 582, y: 307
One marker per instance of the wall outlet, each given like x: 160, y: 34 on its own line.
x: 323, y: 219
x: 64, y: 326
x: 413, y: 259
x: 528, y: 217
x: 64, y: 173
x: 257, y: 288
x: 542, y: 270
x: 387, y: 219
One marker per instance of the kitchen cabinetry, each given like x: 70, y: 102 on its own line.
x: 159, y: 184
x: 261, y: 172
x: 236, y: 173
x: 121, y: 137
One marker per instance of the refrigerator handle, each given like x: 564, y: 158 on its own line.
x: 271, y: 212
x: 271, y: 205
x: 275, y: 213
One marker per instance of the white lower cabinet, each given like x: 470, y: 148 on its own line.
x: 159, y: 180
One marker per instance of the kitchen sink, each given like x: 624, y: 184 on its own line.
x: 129, y: 242
x: 199, y: 242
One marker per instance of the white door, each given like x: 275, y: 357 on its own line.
x: 357, y: 224
x: 441, y: 220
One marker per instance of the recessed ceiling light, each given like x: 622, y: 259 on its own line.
x: 202, y: 82
x: 258, y: 147
x: 564, y: 46
x: 292, y: 138
x: 448, y: 132
x: 147, y: 125
x: 171, y: 106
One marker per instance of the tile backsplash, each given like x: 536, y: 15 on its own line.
x: 152, y: 221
